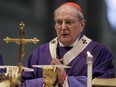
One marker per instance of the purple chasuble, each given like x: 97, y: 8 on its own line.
x: 1, y: 63
x: 102, y: 65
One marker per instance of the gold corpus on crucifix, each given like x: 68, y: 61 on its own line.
x: 21, y: 41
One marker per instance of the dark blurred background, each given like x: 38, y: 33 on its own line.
x: 38, y: 18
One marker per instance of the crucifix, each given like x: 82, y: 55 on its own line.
x: 21, y: 41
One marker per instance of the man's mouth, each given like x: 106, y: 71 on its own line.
x: 64, y: 34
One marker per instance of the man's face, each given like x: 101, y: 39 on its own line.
x: 67, y: 24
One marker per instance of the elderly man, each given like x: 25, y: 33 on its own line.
x: 69, y: 48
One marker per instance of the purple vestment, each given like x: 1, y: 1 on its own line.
x: 102, y: 65
x: 1, y: 63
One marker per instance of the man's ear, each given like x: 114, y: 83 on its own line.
x: 82, y: 25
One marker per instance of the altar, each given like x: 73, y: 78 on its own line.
x: 104, y: 82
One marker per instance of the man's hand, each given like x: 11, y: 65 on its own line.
x: 61, y: 73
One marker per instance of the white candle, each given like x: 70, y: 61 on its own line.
x: 89, y: 69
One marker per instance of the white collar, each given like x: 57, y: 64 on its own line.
x: 79, y: 46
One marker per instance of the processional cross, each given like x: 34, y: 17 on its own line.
x: 21, y: 41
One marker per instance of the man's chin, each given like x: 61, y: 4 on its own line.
x: 65, y: 41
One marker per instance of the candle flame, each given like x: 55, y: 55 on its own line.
x: 89, y: 57
x: 89, y: 54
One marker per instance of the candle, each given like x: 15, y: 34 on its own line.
x: 89, y: 69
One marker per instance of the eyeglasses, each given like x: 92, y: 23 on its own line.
x: 67, y: 22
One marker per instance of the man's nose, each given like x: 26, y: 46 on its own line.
x: 63, y: 26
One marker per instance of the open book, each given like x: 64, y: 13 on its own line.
x: 104, y: 82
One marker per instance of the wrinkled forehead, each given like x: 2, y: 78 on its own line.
x: 66, y: 9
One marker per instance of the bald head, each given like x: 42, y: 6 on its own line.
x: 74, y: 5
x: 70, y: 7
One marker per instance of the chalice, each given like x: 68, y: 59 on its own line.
x: 49, y: 76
